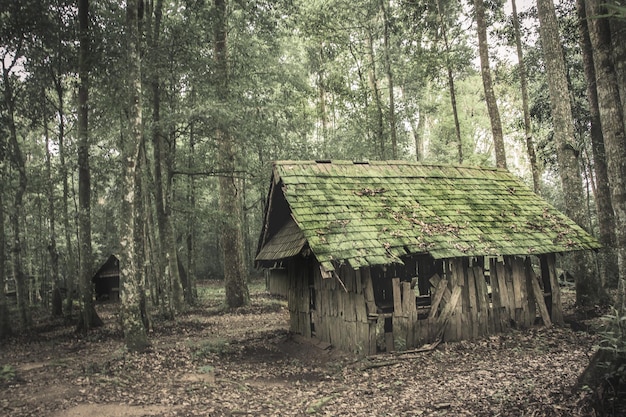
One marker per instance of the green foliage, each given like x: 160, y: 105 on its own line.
x: 7, y: 374
x: 614, y: 335
x: 210, y: 348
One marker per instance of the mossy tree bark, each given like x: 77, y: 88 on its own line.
x: 613, y: 130
x: 606, y: 220
x: 135, y: 335
x: 589, y: 290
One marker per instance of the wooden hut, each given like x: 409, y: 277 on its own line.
x: 394, y: 255
x: 106, y: 280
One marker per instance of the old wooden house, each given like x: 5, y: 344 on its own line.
x: 106, y: 280
x: 394, y: 255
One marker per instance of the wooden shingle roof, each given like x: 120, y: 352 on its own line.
x: 374, y: 213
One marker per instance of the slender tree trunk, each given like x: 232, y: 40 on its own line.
x: 135, y: 335
x: 162, y: 161
x: 589, y: 290
x: 392, y: 107
x: 490, y: 97
x: 69, y: 265
x: 56, y: 301
x: 451, y: 87
x: 89, y: 315
x: 190, y: 293
x: 613, y: 131
x: 606, y: 220
x: 379, y: 138
x: 530, y: 146
x: 230, y: 201
x: 16, y: 158
x: 5, y: 320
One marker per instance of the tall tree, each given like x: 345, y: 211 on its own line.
x: 17, y: 159
x: 451, y: 87
x: 390, y: 83
x: 613, y: 130
x: 135, y: 335
x: 230, y: 192
x: 163, y: 160
x: 5, y: 319
x: 530, y: 146
x: 604, y: 207
x: 490, y: 97
x: 589, y: 291
x: 56, y: 300
x: 89, y: 316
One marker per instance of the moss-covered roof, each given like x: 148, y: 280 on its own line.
x: 376, y: 212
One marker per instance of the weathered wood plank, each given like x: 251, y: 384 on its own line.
x: 518, y: 279
x: 505, y: 310
x: 408, y: 298
x: 360, y: 308
x: 368, y: 291
x: 473, y: 303
x: 538, y: 292
x: 449, y: 309
x: 397, y: 297
x: 482, y: 302
x: 358, y: 281
x: 440, y: 289
x: 557, y: 308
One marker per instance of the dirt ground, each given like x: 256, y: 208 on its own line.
x: 211, y: 363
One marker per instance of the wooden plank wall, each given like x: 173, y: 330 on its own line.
x: 277, y: 282
x: 467, y: 303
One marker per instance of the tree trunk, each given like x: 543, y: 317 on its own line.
x: 606, y: 220
x: 490, y: 97
x: 392, y: 107
x: 190, y: 292
x: 89, y: 316
x: 17, y: 160
x: 379, y: 139
x: 589, y: 291
x: 163, y: 162
x: 230, y: 197
x: 135, y: 335
x: 618, y: 40
x: 69, y: 265
x: 530, y: 146
x: 56, y: 304
x: 612, y: 121
x: 5, y: 320
x: 451, y: 87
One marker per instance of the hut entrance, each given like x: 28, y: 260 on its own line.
x: 106, y: 280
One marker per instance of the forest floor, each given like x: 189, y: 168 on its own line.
x: 210, y: 362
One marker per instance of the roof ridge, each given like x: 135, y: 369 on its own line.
x: 385, y: 162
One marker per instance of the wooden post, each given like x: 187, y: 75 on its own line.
x: 368, y: 292
x: 557, y: 309
x: 543, y: 309
x: 441, y: 285
x: 397, y: 297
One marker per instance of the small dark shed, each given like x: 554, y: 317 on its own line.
x: 106, y: 280
x: 393, y: 255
